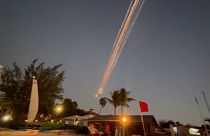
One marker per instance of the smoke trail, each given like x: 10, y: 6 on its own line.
x: 122, y: 36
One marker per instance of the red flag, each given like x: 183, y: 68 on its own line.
x: 143, y: 106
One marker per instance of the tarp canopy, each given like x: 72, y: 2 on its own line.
x: 87, y: 117
x: 74, y: 117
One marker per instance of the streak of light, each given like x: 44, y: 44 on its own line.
x: 122, y: 36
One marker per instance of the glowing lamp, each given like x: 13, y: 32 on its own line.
x: 58, y: 109
x: 124, y: 119
x: 6, y: 118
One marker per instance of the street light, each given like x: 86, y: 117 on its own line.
x: 124, y: 122
x: 6, y: 118
x: 58, y: 109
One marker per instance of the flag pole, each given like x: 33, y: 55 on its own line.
x: 142, y: 120
x: 143, y: 108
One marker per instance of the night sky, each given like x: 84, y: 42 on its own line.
x: 165, y: 61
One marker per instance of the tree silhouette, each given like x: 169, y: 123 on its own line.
x: 102, y: 102
x: 16, y: 85
x: 124, y: 99
x: 70, y: 107
x: 115, y: 99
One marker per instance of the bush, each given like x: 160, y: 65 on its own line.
x: 12, y: 124
x: 53, y: 125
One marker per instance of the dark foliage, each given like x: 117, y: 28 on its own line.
x: 16, y: 85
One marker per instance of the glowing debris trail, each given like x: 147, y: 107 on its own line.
x: 125, y: 29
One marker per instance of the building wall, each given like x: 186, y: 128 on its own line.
x: 131, y: 129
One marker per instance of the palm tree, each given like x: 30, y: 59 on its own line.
x: 114, y: 99
x: 102, y: 102
x: 124, y: 99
